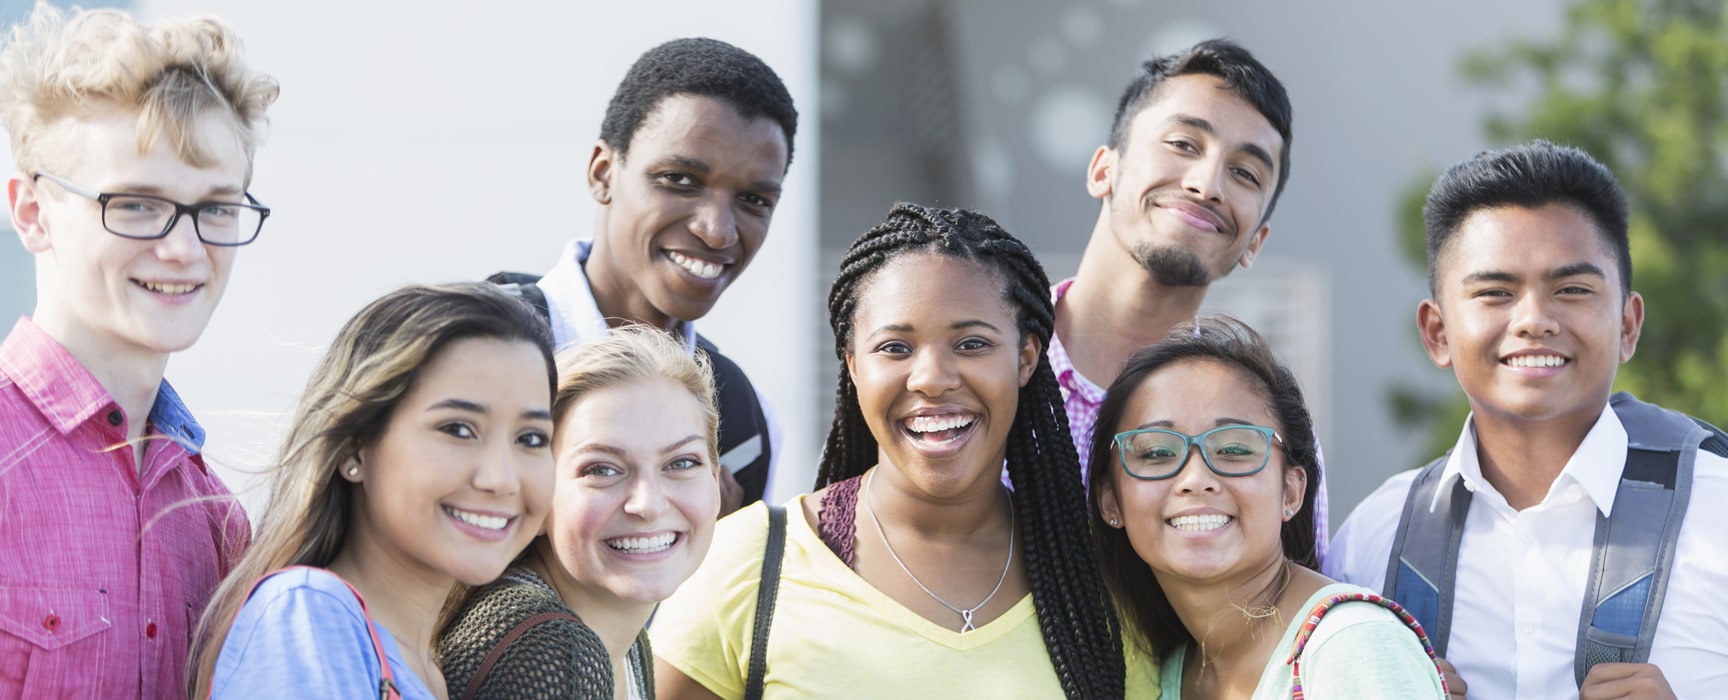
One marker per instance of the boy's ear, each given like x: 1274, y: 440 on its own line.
x: 27, y: 214
x: 600, y: 164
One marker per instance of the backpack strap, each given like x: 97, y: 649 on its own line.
x: 1633, y: 554
x: 743, y: 440
x: 766, y: 595
x: 1423, y: 564
x: 525, y: 286
x: 387, y: 683
x: 1294, y: 660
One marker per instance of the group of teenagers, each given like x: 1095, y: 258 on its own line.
x: 551, y: 487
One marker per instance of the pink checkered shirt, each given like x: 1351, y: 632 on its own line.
x: 106, y: 568
x: 1081, y: 398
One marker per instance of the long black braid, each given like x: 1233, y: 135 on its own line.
x: 1075, y: 614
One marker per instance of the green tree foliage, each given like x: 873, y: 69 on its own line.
x: 1640, y: 85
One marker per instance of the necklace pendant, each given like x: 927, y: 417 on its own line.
x: 967, y: 616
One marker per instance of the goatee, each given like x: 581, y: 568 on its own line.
x: 1172, y: 266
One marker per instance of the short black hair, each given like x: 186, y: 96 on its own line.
x: 1241, y: 73
x: 1232, y: 343
x: 1527, y: 176
x: 703, y: 67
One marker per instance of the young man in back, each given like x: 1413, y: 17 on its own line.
x: 134, y: 150
x: 1199, y: 152
x: 687, y: 173
x: 1534, y: 551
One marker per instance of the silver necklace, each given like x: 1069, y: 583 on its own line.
x: 965, y: 614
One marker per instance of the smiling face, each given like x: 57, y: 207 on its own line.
x: 103, y: 296
x: 938, y: 362
x: 461, y: 477
x: 1198, y: 526
x: 636, y: 497
x: 1188, y: 191
x: 685, y: 211
x: 1531, y: 315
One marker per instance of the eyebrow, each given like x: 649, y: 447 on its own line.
x: 472, y: 407
x: 702, y: 167
x: 955, y: 326
x: 1253, y: 149
x: 1221, y: 422
x: 155, y: 191
x: 1558, y: 273
x: 621, y: 452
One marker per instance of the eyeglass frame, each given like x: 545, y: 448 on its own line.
x: 1189, y: 443
x: 179, y: 210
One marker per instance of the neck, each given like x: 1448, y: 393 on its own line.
x: 132, y: 376
x: 615, y: 294
x: 616, y: 621
x: 1522, y: 459
x: 403, y: 598
x: 1237, y: 624
x: 980, y: 509
x: 1115, y: 307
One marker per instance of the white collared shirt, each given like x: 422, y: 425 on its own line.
x: 576, y: 317
x: 1521, y: 574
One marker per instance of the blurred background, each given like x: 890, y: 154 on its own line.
x: 424, y: 142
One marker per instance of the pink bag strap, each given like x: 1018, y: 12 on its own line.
x: 1320, y: 610
x: 386, y: 686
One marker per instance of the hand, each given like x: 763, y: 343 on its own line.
x: 1455, y: 685
x: 731, y: 494
x: 1641, y: 681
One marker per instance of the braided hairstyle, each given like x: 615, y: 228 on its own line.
x: 1078, y: 621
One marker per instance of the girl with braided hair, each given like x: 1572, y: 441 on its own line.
x: 914, y: 571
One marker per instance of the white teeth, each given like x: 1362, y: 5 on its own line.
x: 1536, y: 361
x: 489, y: 522
x: 705, y: 270
x: 1199, y: 523
x: 165, y: 288
x: 932, y: 424
x: 642, y: 545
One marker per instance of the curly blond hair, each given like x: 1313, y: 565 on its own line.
x: 57, y: 66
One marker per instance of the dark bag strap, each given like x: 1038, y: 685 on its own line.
x: 766, y: 594
x: 525, y: 286
x: 1425, y: 552
x: 503, y: 645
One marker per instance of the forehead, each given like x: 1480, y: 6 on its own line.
x: 614, y: 414
x: 1193, y: 393
x: 927, y: 289
x: 101, y: 148
x: 1208, y: 98
x: 683, y: 122
x: 1524, y: 242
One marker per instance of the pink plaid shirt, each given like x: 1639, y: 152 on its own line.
x: 106, y: 568
x: 1081, y: 398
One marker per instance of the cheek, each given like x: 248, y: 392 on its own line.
x: 578, y: 517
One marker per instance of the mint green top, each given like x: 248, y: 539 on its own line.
x: 1359, y: 650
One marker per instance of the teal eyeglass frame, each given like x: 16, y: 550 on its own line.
x: 1189, y: 442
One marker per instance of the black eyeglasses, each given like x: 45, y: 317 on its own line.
x: 1231, y: 450
x: 144, y: 217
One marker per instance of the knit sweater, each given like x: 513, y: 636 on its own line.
x: 552, y: 658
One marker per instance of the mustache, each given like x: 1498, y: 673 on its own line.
x: 1159, y: 197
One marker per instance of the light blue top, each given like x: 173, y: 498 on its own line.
x: 302, y: 635
x: 1359, y: 650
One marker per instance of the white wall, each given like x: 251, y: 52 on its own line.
x: 440, y: 141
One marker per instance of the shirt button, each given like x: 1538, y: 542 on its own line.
x: 51, y: 623
x: 114, y: 418
x: 150, y: 630
x: 1528, y: 538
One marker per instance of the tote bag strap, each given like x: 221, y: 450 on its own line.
x: 1320, y: 610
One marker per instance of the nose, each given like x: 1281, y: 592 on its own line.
x: 932, y: 373
x: 715, y: 223
x: 181, y: 245
x: 647, y: 499
x: 499, y: 472
x: 1195, y: 475
x: 1205, y: 179
x: 1533, y: 318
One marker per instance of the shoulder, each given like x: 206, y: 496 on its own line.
x: 303, y: 594
x: 536, y: 645
x: 1332, y: 661
x: 1359, y: 550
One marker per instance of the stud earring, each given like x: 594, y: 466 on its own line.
x: 1289, y: 513
x: 1115, y: 522
x: 353, y: 470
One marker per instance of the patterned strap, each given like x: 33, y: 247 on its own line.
x: 386, y: 686
x: 1320, y: 610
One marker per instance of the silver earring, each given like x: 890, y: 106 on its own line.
x: 1289, y: 513
x: 1115, y: 522
x: 353, y: 470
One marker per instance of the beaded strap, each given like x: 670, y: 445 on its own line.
x: 837, y: 521
x: 1319, y: 611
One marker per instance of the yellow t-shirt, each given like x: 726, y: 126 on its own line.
x: 835, y: 635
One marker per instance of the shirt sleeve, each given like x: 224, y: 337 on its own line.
x: 300, y: 635
x: 776, y: 443
x: 1358, y: 554
x: 704, y: 629
x: 1377, y: 658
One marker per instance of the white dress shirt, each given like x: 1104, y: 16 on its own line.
x: 576, y: 317
x: 1521, y: 574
